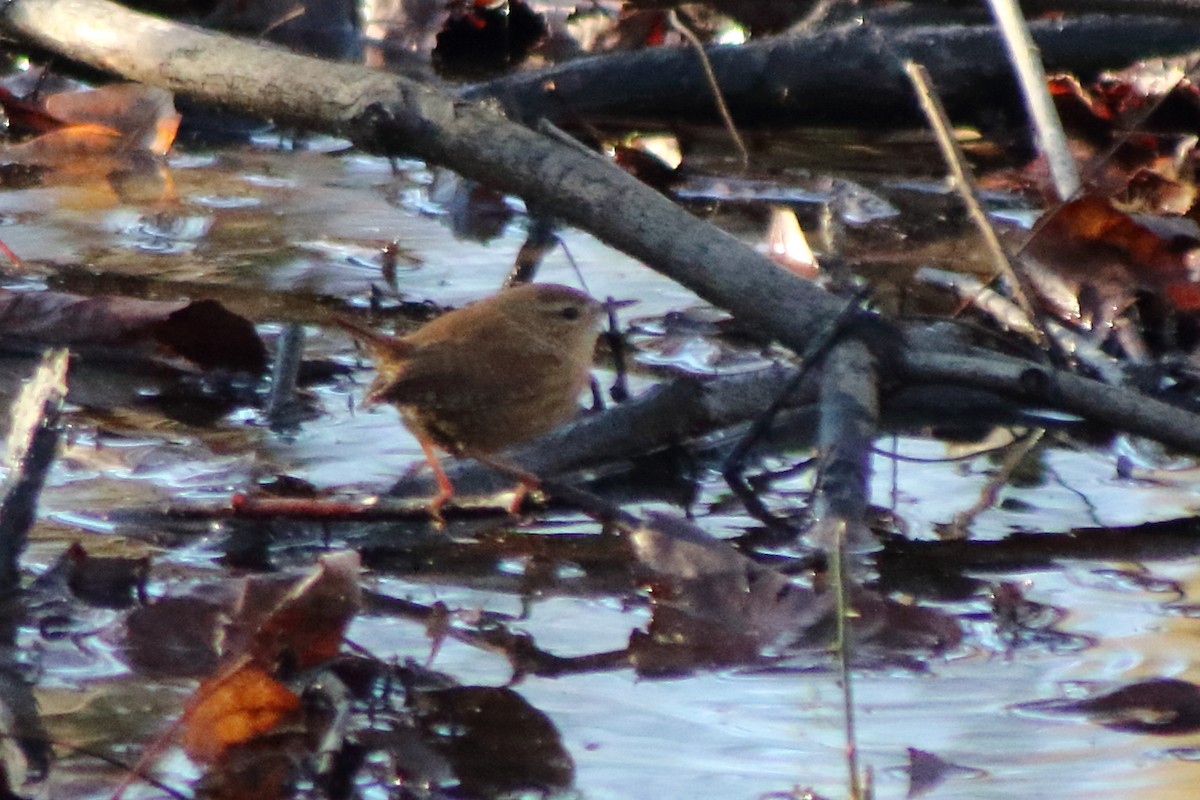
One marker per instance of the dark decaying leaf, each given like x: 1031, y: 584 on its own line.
x: 202, y: 332
x: 305, y: 628
x: 175, y: 637
x: 104, y: 581
x: 1159, y: 705
x: 927, y: 771
x: 211, y: 336
x: 713, y: 606
x: 252, y: 771
x: 496, y: 741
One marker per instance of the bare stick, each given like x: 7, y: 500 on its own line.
x: 837, y: 577
x: 1047, y: 126
x: 964, y: 184
x: 959, y: 527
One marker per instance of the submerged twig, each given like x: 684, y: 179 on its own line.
x: 958, y: 527
x: 282, y: 400
x: 837, y: 577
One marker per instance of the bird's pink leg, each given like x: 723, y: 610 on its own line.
x: 445, y: 488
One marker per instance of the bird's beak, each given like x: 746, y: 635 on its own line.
x: 611, y: 304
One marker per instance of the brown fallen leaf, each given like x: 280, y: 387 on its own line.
x: 175, y: 637
x: 306, y: 627
x: 496, y: 742
x: 712, y: 606
x: 1088, y: 261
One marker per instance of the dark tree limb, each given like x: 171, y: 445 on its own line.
x: 849, y: 408
x: 669, y: 414
x: 845, y: 76
x: 1038, y: 385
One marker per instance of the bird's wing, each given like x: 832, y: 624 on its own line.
x: 436, y: 376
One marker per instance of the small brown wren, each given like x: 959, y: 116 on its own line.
x: 489, y: 375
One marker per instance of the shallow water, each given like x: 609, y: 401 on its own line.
x: 275, y: 235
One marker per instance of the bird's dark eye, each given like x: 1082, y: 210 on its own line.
x: 569, y: 312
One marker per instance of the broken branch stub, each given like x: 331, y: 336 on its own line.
x: 32, y: 444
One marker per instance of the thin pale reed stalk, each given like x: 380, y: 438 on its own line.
x: 1047, y: 127
x: 968, y: 191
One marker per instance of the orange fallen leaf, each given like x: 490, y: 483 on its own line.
x: 788, y: 247
x: 144, y: 116
x: 232, y: 709
x: 94, y: 131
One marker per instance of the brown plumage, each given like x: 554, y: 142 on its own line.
x: 489, y: 375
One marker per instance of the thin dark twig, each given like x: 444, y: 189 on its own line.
x: 735, y: 463
x: 1092, y: 511
x: 985, y: 451
x: 676, y: 18
x: 959, y: 527
x: 571, y: 260
x: 616, y: 345
x: 841, y: 586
